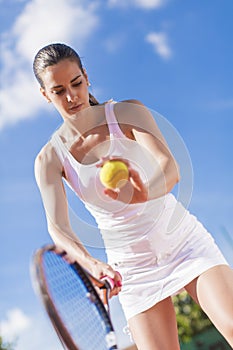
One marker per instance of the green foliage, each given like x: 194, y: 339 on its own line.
x: 5, y: 346
x: 191, y: 319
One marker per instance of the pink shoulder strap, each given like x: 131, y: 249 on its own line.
x: 114, y: 129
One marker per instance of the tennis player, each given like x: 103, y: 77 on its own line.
x: 158, y: 247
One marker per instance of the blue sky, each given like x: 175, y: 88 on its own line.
x: 175, y: 56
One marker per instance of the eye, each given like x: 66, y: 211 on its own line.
x: 77, y: 84
x: 57, y: 92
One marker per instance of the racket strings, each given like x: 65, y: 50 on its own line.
x: 76, y: 304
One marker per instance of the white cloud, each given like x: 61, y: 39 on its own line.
x: 144, y: 4
x: 20, y: 100
x: 29, y: 333
x: 16, y: 323
x: 41, y: 336
x: 159, y: 42
x: 41, y: 22
x: 45, y: 21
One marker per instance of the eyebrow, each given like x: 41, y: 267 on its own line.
x: 59, y: 86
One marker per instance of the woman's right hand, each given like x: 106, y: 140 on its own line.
x: 102, y: 270
x: 134, y: 191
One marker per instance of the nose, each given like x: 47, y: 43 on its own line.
x: 70, y: 97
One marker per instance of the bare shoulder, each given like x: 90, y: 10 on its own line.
x: 44, y: 154
x: 135, y: 114
x: 47, y: 159
x: 134, y: 101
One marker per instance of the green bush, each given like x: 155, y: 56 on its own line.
x: 5, y: 346
x: 191, y: 319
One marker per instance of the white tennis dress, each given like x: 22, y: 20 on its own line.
x: 157, y: 246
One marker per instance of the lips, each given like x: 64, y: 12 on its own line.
x: 76, y: 108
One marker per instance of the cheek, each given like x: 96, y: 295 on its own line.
x: 58, y: 100
x: 59, y: 104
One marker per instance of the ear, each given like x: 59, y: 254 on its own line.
x: 42, y: 90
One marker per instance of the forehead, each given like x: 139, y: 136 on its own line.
x: 60, y: 73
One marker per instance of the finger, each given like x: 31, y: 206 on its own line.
x: 111, y: 193
x: 135, y: 179
x: 114, y: 292
x: 102, y: 161
x: 120, y: 159
x: 68, y: 258
x: 118, y: 279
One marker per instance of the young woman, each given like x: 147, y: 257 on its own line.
x: 157, y: 246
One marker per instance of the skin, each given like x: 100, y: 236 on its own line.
x: 66, y: 86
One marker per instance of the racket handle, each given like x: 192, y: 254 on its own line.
x: 110, y: 281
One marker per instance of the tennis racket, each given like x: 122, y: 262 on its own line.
x: 79, y: 316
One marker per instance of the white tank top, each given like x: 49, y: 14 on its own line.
x: 115, y: 219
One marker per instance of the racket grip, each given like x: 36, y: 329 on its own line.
x: 110, y: 281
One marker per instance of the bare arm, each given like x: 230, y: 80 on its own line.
x: 167, y: 174
x: 48, y: 173
x: 145, y: 131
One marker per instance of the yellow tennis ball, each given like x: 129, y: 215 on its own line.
x: 114, y: 174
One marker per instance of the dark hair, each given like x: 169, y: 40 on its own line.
x: 53, y: 54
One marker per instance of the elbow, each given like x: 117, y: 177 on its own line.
x: 54, y: 234
x: 172, y: 174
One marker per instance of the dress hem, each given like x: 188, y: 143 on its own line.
x: 174, y: 291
